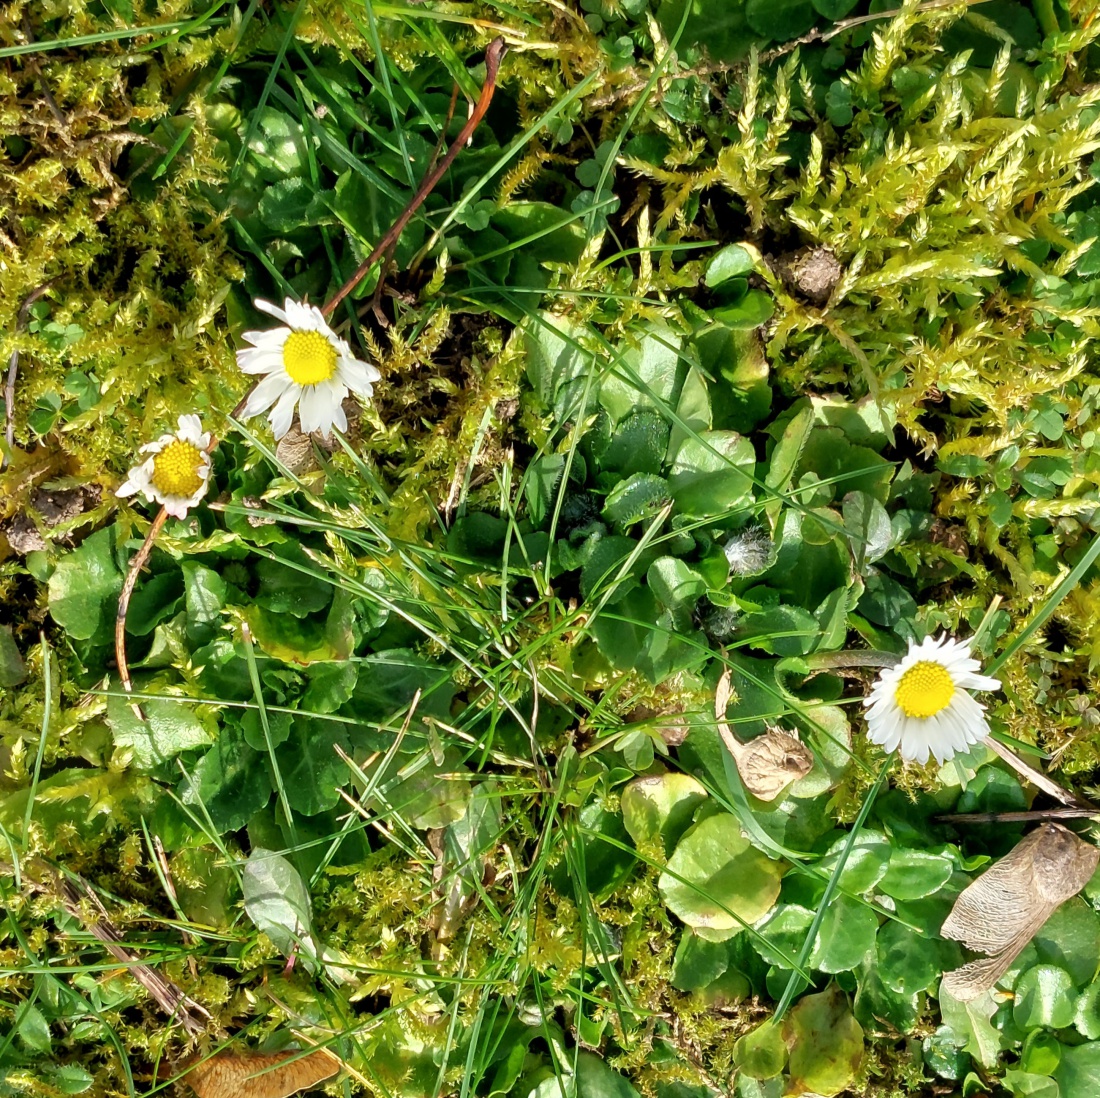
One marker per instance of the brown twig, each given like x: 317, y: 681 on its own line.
x: 493, y: 56
x: 136, y: 565
x: 13, y: 369
x: 1020, y: 817
x: 74, y: 894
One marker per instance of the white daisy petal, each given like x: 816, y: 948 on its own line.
x: 282, y: 416
x: 921, y: 706
x: 273, y: 310
x: 265, y: 394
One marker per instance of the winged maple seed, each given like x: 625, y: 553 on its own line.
x: 768, y: 763
x: 1001, y: 911
x: 259, y: 1075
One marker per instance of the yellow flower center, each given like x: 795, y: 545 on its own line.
x: 925, y: 689
x: 308, y: 358
x: 176, y: 469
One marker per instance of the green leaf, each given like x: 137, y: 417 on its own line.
x: 277, y: 902
x: 594, y: 1079
x: 784, y: 458
x: 72, y: 1079
x: 913, y: 874
x: 288, y: 590
x: 283, y: 205
x: 637, y: 445
x: 826, y: 1043
x: 311, y: 770
x: 970, y: 1026
x: 647, y: 374
x: 756, y: 307
x: 12, y: 669
x: 85, y: 586
x: 761, y: 1053
x: 783, y: 934
x: 866, y: 864
x: 232, y: 780
x: 876, y: 1005
x: 698, y: 962
x: 716, y: 881
x: 1070, y: 938
x: 741, y: 396
x: 846, y: 936
x: 330, y: 686
x: 1079, y: 1070
x: 727, y: 263
x: 169, y: 728
x: 559, y: 362
x: 868, y: 527
x: 155, y: 599
x: 677, y: 586
x: 782, y: 630
x: 636, y: 499
x: 660, y: 807
x: 907, y: 961
x: 33, y: 1029
x: 540, y: 485
x: 834, y: 9
x: 712, y: 474
x: 1087, y: 1013
x: 1044, y: 996
x: 204, y: 593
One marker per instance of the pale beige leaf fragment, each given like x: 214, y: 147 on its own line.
x: 1000, y: 912
x: 260, y: 1075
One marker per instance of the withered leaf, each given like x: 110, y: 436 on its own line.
x: 1000, y: 912
x: 260, y: 1075
x: 768, y: 763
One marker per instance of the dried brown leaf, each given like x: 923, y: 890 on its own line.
x: 767, y: 764
x: 1001, y: 911
x: 260, y: 1075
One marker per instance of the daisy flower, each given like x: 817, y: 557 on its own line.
x: 177, y: 472
x: 921, y: 706
x: 305, y: 365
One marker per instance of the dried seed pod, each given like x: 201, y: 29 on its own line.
x: 768, y: 763
x: 260, y: 1075
x: 1001, y: 911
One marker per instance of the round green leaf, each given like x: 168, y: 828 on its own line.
x: 716, y: 881
x: 1087, y: 1014
x: 826, y: 1043
x: 761, y: 1053
x: 913, y: 874
x: 781, y: 937
x: 711, y: 473
x: 907, y: 963
x: 1079, y: 1071
x: 727, y: 263
x: 661, y: 807
x: 846, y: 936
x: 754, y: 309
x: 1045, y: 996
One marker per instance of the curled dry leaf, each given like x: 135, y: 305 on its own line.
x: 1000, y: 912
x: 768, y: 763
x: 259, y: 1075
